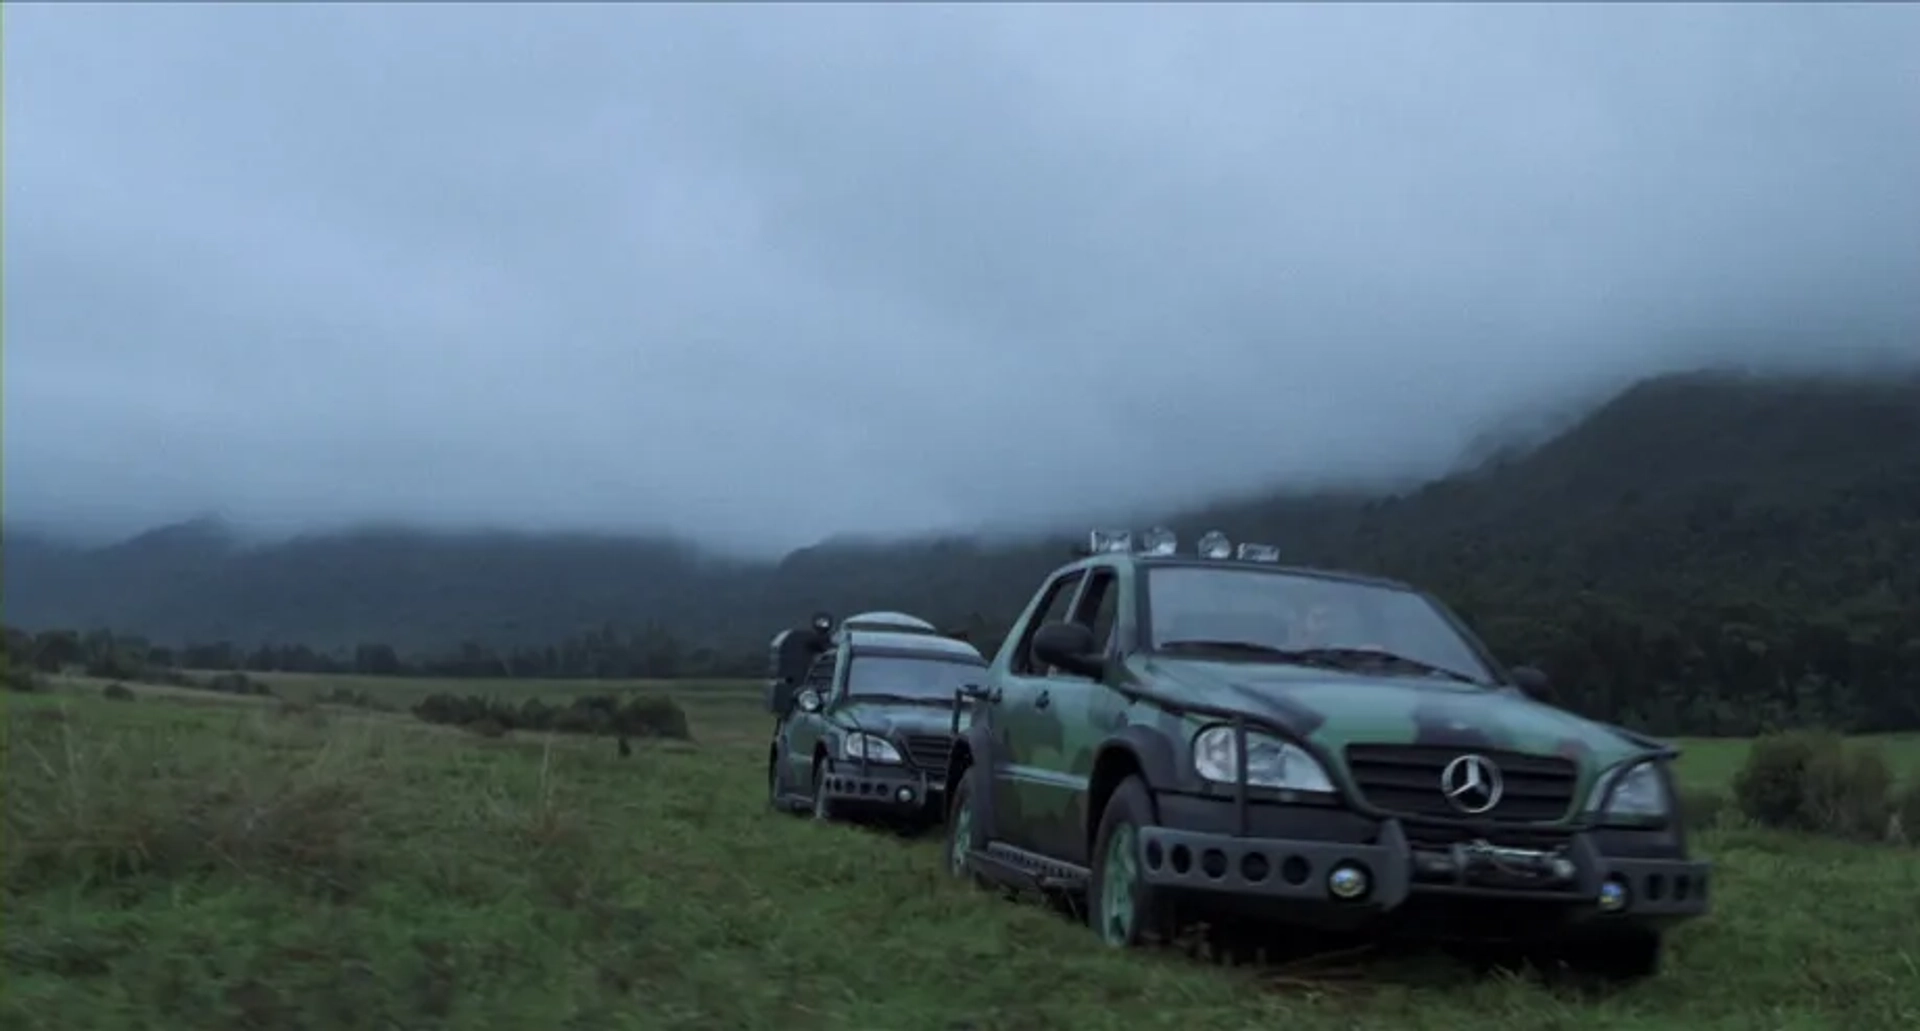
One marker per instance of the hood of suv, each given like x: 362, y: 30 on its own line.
x: 892, y: 719
x: 1334, y: 709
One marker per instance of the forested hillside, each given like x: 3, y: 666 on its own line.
x: 1708, y: 553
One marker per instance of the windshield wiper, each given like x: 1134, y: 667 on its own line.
x: 1335, y: 658
x: 1265, y: 651
x: 903, y: 699
x: 1352, y: 656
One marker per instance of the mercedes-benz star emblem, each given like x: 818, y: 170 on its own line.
x: 1472, y: 784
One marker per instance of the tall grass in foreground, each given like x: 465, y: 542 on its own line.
x: 270, y: 866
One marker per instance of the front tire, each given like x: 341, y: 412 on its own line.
x: 1121, y: 907
x: 822, y: 805
x: 774, y: 800
x: 963, y: 828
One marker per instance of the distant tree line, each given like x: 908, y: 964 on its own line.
x: 1719, y: 670
x: 602, y: 653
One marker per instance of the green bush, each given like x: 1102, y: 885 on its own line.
x: 1848, y: 794
x: 638, y: 716
x: 1770, y: 787
x: 486, y: 728
x: 117, y: 692
x: 652, y: 716
x: 1813, y: 781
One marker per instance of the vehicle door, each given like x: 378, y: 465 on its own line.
x: 1028, y: 736
x: 805, y: 729
x: 1080, y: 711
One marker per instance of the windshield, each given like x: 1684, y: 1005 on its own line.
x: 931, y: 678
x: 1303, y: 616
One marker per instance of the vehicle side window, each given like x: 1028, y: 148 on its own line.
x: 1053, y: 609
x: 1097, y: 607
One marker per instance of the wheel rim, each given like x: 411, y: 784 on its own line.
x: 962, y: 841
x: 1116, y: 887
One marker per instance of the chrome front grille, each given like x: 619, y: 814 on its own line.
x: 1406, y: 779
x: 928, y: 751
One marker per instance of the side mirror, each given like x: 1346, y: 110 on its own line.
x: 1068, y: 646
x: 780, y: 697
x: 1530, y: 680
x: 809, y: 701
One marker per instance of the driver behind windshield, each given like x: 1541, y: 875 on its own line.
x: 1345, y: 623
x: 1305, y: 621
x: 932, y: 678
x: 1309, y: 625
x: 1318, y: 621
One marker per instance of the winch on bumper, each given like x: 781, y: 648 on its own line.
x: 878, y: 788
x: 1346, y: 870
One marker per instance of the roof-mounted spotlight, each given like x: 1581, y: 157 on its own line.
x: 1215, y: 546
x: 1257, y: 553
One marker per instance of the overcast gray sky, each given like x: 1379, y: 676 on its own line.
x: 779, y: 271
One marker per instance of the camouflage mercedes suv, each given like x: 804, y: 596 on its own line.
x: 864, y: 717
x: 1213, y: 735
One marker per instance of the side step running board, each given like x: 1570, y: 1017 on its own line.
x: 1015, y: 866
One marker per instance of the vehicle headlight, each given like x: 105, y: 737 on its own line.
x: 1639, y: 793
x: 874, y: 749
x: 1271, y: 762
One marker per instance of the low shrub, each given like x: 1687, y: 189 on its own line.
x: 117, y: 692
x: 485, y: 727
x: 1770, y: 786
x: 1849, y: 793
x: 1814, y: 781
x: 637, y: 716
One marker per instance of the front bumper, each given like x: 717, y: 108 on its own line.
x: 1367, y: 878
x: 878, y: 788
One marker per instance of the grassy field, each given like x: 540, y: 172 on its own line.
x: 263, y: 865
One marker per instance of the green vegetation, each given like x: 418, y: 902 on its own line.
x: 242, y: 834
x: 263, y: 863
x: 634, y: 716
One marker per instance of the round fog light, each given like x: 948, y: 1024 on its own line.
x: 1347, y: 881
x: 1613, y: 895
x: 904, y: 794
